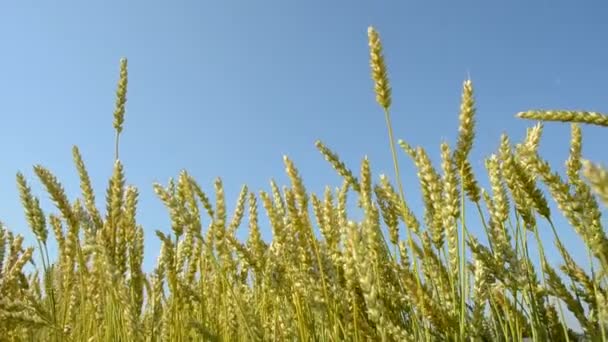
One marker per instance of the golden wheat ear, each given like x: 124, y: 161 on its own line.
x: 592, y: 118
x: 382, y: 86
x: 598, y: 177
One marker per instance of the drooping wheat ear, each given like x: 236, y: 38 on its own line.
x: 338, y: 165
x: 121, y: 100
x: 196, y: 188
x: 592, y: 118
x: 176, y: 211
x: 598, y: 177
x: 466, y: 130
x: 379, y: 70
x: 57, y: 193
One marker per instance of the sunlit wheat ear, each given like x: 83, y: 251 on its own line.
x: 592, y: 118
x: 220, y: 203
x: 407, y: 148
x: 297, y: 183
x: 366, y: 183
x: 379, y: 71
x: 466, y: 130
x: 239, y: 211
x: 190, y: 203
x: 573, y: 164
x: 527, y: 181
x: 255, y: 242
x: 533, y: 135
x: 451, y: 198
x: 33, y: 212
x: 87, y: 189
x: 598, y: 177
x: 130, y: 209
x: 480, y: 290
x: 431, y: 188
x: 516, y: 183
x: 499, y: 193
x: 277, y: 198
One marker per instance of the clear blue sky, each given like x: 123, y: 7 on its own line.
x: 226, y: 88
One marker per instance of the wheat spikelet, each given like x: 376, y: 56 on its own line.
x: 533, y: 135
x: 403, y: 210
x: 86, y: 188
x: 57, y: 193
x: 598, y: 177
x: 592, y: 118
x: 522, y: 200
x: 574, y: 164
x: 431, y: 187
x: 121, y: 97
x: 466, y: 130
x: 339, y: 166
x: 469, y: 183
x: 379, y: 71
x: 33, y: 212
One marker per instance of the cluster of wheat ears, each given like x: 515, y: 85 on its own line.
x: 344, y: 282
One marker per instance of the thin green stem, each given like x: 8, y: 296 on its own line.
x: 116, y: 144
x: 402, y: 195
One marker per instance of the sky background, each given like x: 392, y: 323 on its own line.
x: 226, y: 88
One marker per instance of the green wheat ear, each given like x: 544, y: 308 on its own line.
x: 121, y: 100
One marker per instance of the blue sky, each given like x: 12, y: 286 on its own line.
x: 226, y: 88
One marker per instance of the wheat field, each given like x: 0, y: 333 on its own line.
x: 390, y: 276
